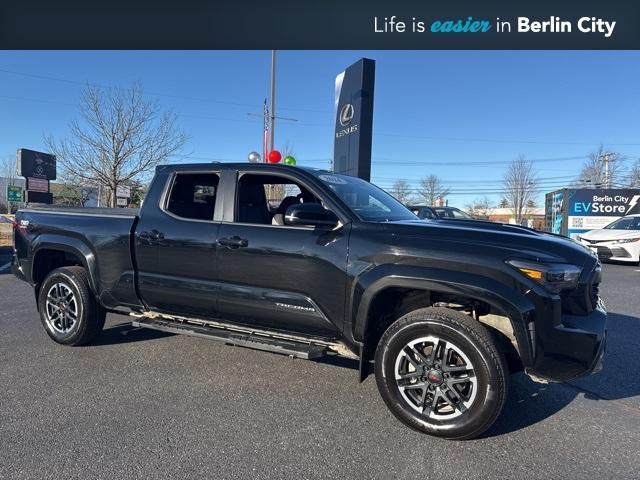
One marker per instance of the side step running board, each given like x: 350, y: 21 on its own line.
x: 230, y: 337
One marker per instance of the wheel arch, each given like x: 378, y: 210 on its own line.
x: 54, y: 251
x: 393, y: 293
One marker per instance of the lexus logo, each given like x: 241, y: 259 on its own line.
x: 346, y: 114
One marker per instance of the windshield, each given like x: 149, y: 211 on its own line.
x: 367, y: 201
x: 625, y: 223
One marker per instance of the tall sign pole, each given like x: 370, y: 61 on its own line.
x: 354, y: 120
x: 272, y: 131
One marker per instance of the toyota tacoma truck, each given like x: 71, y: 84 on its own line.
x: 310, y: 263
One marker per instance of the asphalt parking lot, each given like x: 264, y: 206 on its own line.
x: 152, y: 405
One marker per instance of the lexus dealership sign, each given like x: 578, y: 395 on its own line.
x: 354, y: 120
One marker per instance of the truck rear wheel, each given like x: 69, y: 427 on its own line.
x: 440, y: 372
x: 69, y: 311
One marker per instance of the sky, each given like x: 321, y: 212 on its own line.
x: 460, y: 115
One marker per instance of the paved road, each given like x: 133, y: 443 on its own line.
x: 145, y: 404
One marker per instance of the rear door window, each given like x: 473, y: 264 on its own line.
x: 193, y: 196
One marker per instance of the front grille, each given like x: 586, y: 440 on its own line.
x: 583, y: 299
x: 595, y: 241
x: 604, y: 253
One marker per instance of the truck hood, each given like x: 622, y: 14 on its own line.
x: 500, y: 239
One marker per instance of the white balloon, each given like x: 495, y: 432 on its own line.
x: 254, y: 157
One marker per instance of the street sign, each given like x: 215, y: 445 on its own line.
x: 37, y: 184
x: 123, y: 191
x: 14, y: 193
x: 36, y: 164
x: 121, y: 202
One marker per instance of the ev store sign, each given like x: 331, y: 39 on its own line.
x: 605, y: 202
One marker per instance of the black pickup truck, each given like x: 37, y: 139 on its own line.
x: 310, y: 263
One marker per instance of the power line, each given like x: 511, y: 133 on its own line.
x: 493, y: 140
x: 383, y: 134
x: 38, y: 100
x: 168, y: 95
x: 413, y: 183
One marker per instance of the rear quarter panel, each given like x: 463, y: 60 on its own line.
x: 102, y: 242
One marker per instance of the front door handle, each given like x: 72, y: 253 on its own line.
x: 233, y: 242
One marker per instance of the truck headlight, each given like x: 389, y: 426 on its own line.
x: 628, y: 240
x: 555, y: 277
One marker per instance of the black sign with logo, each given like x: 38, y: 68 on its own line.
x: 36, y: 164
x: 38, y: 197
x: 354, y: 119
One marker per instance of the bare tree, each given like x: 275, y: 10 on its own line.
x: 594, y: 170
x: 634, y: 175
x: 119, y: 137
x: 520, y: 186
x: 8, y: 176
x: 401, y: 190
x: 287, y: 149
x: 431, y: 189
x: 480, y: 207
x: 8, y: 168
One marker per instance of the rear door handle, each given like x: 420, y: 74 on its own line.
x: 152, y: 235
x: 233, y: 242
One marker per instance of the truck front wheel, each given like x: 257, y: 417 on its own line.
x: 440, y: 372
x: 69, y: 311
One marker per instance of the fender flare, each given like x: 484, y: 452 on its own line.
x: 515, y: 305
x: 71, y: 245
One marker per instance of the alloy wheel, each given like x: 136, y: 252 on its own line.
x: 436, y: 378
x: 62, y: 308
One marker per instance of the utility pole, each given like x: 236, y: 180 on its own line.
x: 269, y: 113
x: 273, y: 101
x: 606, y: 158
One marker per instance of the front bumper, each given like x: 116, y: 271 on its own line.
x: 573, y: 348
x: 619, y: 252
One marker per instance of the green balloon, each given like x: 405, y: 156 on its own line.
x: 289, y: 160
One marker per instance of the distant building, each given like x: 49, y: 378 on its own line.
x: 534, y: 217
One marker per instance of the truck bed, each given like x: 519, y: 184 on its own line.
x: 101, y: 239
x: 113, y: 212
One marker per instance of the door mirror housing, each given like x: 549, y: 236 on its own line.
x: 310, y: 215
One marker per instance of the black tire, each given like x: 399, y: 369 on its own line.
x: 72, y: 316
x: 474, y: 405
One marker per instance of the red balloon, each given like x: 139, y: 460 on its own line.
x: 274, y: 156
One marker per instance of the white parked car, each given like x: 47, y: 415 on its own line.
x: 619, y: 241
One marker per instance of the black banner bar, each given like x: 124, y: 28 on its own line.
x: 327, y: 24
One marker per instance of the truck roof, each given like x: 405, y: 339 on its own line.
x: 235, y: 165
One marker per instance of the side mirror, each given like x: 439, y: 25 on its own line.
x: 310, y: 214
